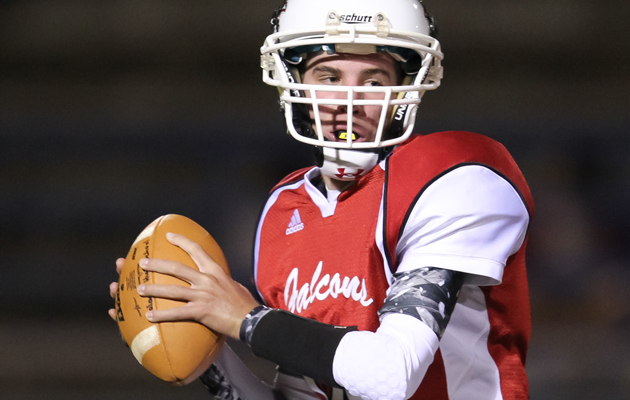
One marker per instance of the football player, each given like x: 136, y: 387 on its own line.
x: 392, y: 269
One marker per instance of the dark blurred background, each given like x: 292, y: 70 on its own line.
x: 113, y: 113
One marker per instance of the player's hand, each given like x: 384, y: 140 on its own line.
x: 214, y: 299
x: 113, y: 287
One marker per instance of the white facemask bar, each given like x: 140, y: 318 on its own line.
x: 352, y: 34
x: 349, y: 102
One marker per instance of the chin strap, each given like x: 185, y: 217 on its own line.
x: 346, y: 164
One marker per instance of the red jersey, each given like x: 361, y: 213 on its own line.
x: 332, y: 262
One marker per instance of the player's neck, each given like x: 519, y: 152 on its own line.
x: 336, y: 184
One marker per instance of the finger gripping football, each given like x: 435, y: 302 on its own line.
x: 176, y: 352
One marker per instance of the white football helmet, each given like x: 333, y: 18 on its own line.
x: 401, y: 28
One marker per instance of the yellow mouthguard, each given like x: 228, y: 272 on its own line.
x: 344, y: 136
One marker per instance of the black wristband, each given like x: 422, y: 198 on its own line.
x: 300, y: 345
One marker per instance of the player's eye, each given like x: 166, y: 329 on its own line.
x: 373, y: 82
x: 329, y: 79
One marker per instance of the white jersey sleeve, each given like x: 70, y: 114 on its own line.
x: 469, y: 220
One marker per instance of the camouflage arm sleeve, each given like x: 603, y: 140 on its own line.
x: 218, y: 385
x: 428, y: 294
x: 230, y: 378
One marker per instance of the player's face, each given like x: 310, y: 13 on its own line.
x: 344, y: 69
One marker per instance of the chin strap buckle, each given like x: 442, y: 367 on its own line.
x: 267, y: 62
x: 332, y: 23
x: 382, y: 25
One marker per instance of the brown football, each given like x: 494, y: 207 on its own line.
x: 176, y: 352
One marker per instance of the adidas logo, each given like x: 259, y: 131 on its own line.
x: 296, y: 223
